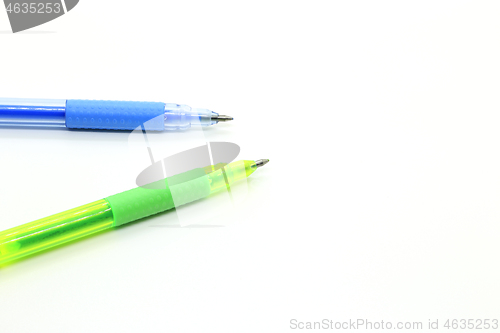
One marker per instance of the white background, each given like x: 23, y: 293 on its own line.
x: 381, y: 200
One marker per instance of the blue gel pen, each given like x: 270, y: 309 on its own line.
x: 103, y: 115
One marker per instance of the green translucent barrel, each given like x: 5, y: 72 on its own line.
x: 54, y: 230
x: 119, y: 209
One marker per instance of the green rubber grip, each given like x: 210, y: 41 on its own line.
x: 157, y: 197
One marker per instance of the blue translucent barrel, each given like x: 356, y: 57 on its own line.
x: 32, y: 112
x: 107, y: 115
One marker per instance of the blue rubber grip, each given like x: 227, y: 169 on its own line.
x: 114, y: 115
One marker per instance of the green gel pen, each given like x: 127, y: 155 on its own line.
x: 118, y: 209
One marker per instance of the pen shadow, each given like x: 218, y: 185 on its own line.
x: 55, y: 248
x: 63, y: 133
x: 68, y: 244
x: 99, y: 234
x: 251, y: 182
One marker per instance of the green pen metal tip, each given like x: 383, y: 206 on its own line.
x: 261, y: 163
